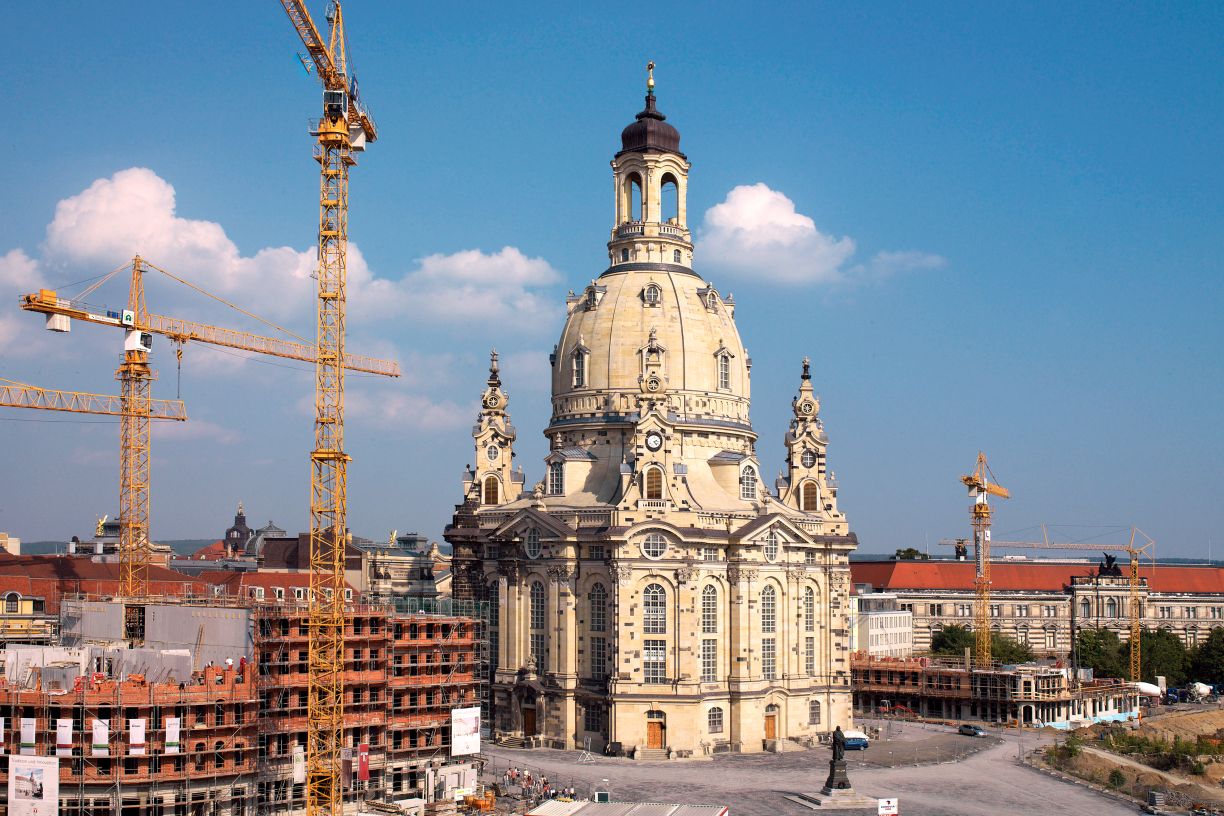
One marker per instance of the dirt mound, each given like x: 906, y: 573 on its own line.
x: 1184, y: 724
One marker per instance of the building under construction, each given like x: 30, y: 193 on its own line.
x: 208, y: 715
x: 1029, y: 694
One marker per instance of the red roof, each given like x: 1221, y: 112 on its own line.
x: 1013, y: 576
x: 211, y: 552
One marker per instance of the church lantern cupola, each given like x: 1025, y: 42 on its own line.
x: 651, y: 177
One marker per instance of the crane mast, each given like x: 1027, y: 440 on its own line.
x: 343, y: 130
x: 980, y: 489
x: 135, y: 383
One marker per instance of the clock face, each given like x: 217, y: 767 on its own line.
x: 653, y: 383
x: 654, y: 440
x: 807, y: 407
x: 808, y: 459
x: 492, y: 401
x: 492, y: 452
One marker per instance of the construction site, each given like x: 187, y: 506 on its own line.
x: 130, y: 688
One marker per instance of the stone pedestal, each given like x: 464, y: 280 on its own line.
x: 837, y: 777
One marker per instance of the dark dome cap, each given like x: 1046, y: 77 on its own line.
x: 650, y: 133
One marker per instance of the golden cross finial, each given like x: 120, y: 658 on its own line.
x: 650, y: 77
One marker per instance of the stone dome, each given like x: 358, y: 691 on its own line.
x: 651, y: 331
x: 650, y: 132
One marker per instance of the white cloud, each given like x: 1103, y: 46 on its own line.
x: 756, y: 231
x: 194, y: 429
x: 400, y: 410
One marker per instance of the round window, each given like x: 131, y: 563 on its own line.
x: 771, y: 546
x: 531, y: 545
x: 654, y: 545
x: 492, y: 452
x: 808, y: 459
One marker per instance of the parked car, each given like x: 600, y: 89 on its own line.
x: 971, y: 730
x: 856, y: 741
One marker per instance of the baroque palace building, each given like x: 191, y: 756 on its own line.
x: 653, y: 594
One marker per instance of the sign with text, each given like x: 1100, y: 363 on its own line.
x: 172, y: 735
x: 136, y: 737
x: 33, y: 786
x: 888, y: 807
x: 63, y: 737
x: 100, y: 746
x: 26, y: 746
x: 465, y: 731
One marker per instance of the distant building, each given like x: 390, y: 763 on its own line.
x: 402, y: 567
x: 239, y: 535
x: 882, y: 627
x: 1042, y: 602
x: 1034, y: 695
x: 10, y: 544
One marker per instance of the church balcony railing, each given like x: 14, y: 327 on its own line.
x: 629, y: 228
x: 652, y: 504
x: 594, y: 518
x: 674, y: 230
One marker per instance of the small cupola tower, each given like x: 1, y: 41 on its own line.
x: 492, y: 481
x: 651, y: 180
x: 807, y: 485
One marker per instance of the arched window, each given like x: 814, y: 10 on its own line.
x: 1111, y: 607
x: 580, y: 368
x: 654, y: 545
x: 624, y: 255
x: 490, y: 490
x: 537, y: 618
x: 724, y: 371
x: 652, y: 294
x: 809, y: 497
x: 748, y: 483
x: 11, y: 602
x: 199, y: 756
x: 654, y: 610
x: 809, y: 609
x: 715, y: 720
x: 669, y: 200
x: 1085, y: 608
x: 709, y: 610
x: 218, y: 754
x: 633, y: 197
x: 654, y: 483
x: 771, y: 545
x: 599, y: 608
x: 769, y: 610
x: 219, y: 713
x: 676, y: 256
x: 556, y: 479
x: 813, y: 712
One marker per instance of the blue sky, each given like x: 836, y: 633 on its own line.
x: 1033, y: 197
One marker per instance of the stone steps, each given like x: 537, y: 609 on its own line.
x: 652, y: 753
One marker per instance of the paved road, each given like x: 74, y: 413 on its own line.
x: 987, y: 783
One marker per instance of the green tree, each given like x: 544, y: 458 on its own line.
x: 909, y: 554
x: 1116, y: 779
x: 1009, y: 650
x: 1163, y: 653
x: 952, y: 640
x: 1101, y: 651
x: 1207, y: 661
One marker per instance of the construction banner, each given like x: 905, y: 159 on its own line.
x: 27, y: 743
x: 465, y: 731
x: 363, y: 762
x: 299, y: 764
x: 346, y: 766
x: 3, y: 737
x: 101, y: 738
x: 33, y: 786
x: 172, y: 735
x: 63, y: 737
x: 136, y: 737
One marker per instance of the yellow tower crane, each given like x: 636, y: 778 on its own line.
x: 19, y: 395
x: 1139, y: 546
x: 343, y: 130
x: 136, y: 377
x: 980, y: 489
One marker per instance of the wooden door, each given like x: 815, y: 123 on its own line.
x: 529, y: 722
x: 654, y: 734
x: 771, y: 726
